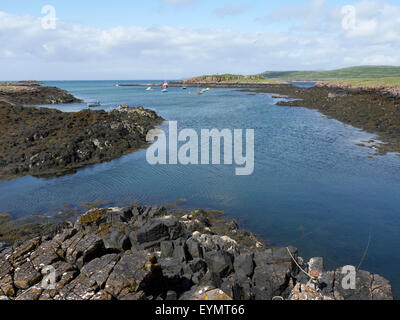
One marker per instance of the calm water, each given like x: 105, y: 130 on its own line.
x: 312, y: 186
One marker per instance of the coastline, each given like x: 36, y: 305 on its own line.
x: 375, y: 110
x: 154, y: 253
x: 46, y: 142
x: 52, y: 231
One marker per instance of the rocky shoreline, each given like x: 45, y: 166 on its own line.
x: 32, y: 93
x: 372, y: 110
x: 46, y: 142
x: 154, y: 253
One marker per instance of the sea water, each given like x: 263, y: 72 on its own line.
x: 313, y: 187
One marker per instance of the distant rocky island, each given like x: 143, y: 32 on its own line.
x: 154, y: 253
x: 47, y: 142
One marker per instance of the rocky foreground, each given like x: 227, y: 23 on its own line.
x: 151, y: 253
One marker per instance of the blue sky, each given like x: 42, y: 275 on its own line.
x: 125, y: 39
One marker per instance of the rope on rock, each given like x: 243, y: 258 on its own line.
x: 309, y: 275
x: 366, y: 249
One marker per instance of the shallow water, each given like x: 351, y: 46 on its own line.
x: 312, y: 187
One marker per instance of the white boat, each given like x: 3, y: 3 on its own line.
x: 94, y: 104
x: 164, y: 90
x: 149, y: 89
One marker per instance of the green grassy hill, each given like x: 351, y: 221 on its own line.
x: 361, y: 72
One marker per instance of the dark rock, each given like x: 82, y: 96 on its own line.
x: 26, y: 276
x: 135, y: 272
x: 156, y: 231
x: 270, y: 280
x: 181, y: 251
x: 171, y: 295
x: 116, y: 238
x: 33, y: 293
x: 368, y: 287
x: 172, y: 269
x: 167, y: 249
x: 219, y: 262
x: 244, y: 265
x: 196, y: 265
x: 211, y: 279
x: 194, y: 248
x: 99, y: 269
x: 85, y: 249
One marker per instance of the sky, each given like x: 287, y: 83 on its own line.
x: 175, y: 39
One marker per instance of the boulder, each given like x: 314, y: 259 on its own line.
x: 135, y: 272
x: 244, y: 265
x: 368, y: 287
x: 167, y: 249
x: 99, y: 269
x: 156, y: 231
x: 26, y: 276
x: 270, y: 280
x: 219, y: 262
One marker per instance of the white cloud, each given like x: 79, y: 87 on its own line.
x: 179, y: 2
x: 74, y: 51
x: 231, y: 10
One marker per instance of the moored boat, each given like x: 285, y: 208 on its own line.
x: 94, y: 104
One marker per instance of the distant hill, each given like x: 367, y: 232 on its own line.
x: 230, y: 78
x: 361, y: 72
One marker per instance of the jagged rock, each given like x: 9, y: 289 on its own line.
x: 81, y: 288
x: 44, y: 255
x: 181, y: 251
x: 84, y: 249
x: 215, y: 242
x: 7, y: 285
x: 102, y: 295
x: 117, y: 238
x: 20, y: 253
x: 33, y: 293
x: 167, y: 249
x: 172, y: 269
x: 194, y: 248
x: 195, y: 266
x: 304, y: 292
x: 135, y: 272
x: 244, y: 265
x: 26, y: 276
x: 165, y: 261
x: 99, y: 269
x: 368, y: 287
x: 156, y: 231
x: 219, y: 262
x: 211, y: 279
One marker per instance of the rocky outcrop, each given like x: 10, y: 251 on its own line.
x: 370, y: 109
x: 32, y: 93
x: 147, y: 253
x: 48, y: 142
